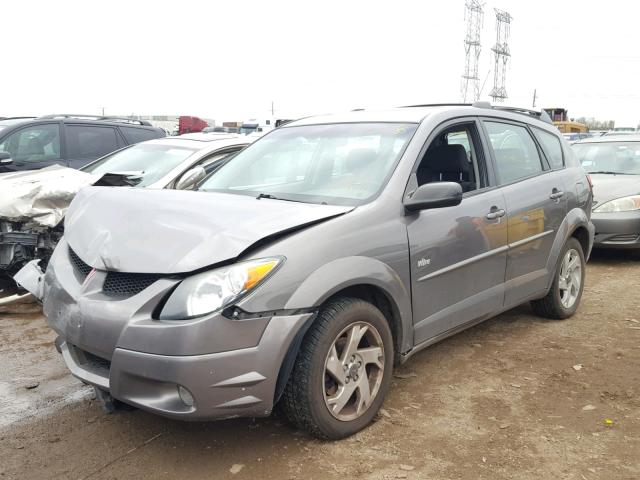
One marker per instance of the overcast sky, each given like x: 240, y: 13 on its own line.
x: 229, y: 60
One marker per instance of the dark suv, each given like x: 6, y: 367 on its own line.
x: 69, y: 140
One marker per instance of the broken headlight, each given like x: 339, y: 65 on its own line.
x: 214, y: 290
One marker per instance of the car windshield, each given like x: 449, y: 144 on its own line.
x: 149, y: 161
x: 339, y: 164
x: 609, y: 157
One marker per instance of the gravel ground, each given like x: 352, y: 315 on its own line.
x: 517, y: 397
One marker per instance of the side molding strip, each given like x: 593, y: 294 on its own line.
x: 484, y: 255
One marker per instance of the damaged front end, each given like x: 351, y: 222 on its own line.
x: 32, y: 207
x: 22, y: 242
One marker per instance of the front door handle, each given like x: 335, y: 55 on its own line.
x: 556, y: 194
x: 495, y: 213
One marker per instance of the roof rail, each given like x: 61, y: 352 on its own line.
x: 132, y: 121
x: 539, y: 114
x: 438, y: 105
x: 15, y: 118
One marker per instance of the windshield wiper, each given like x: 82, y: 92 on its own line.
x: 612, y: 173
x: 271, y: 197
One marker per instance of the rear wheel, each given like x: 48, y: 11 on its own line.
x: 563, y: 298
x: 342, y: 372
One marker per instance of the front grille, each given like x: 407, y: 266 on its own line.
x: 119, y: 284
x: 80, y: 267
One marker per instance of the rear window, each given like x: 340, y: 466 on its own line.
x: 551, y: 147
x: 137, y: 135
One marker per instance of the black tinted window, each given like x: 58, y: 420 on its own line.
x: 137, y: 135
x: 88, y: 141
x: 33, y: 144
x: 515, y: 151
x: 551, y: 147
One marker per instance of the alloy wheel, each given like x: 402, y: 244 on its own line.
x: 570, y: 278
x: 354, y: 370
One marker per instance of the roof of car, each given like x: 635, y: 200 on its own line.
x: 611, y: 138
x: 415, y: 114
x: 202, y: 141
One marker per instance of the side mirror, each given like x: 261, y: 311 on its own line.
x: 190, y: 178
x: 5, y: 158
x: 434, y: 195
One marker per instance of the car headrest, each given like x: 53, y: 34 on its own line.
x: 447, y: 159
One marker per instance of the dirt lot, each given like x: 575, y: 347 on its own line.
x: 517, y: 397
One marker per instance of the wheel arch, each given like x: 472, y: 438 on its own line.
x: 576, y: 224
x: 366, y: 278
x: 357, y: 277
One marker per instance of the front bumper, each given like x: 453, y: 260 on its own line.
x: 617, y: 230
x: 229, y: 366
x: 223, y: 385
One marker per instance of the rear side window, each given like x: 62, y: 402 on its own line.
x: 90, y: 142
x: 551, y: 147
x: 137, y: 135
x: 515, y: 151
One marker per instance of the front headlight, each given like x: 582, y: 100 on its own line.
x: 216, y: 289
x: 624, y: 204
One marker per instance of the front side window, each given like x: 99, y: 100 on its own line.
x: 340, y: 164
x: 33, y: 144
x: 551, y: 147
x: 452, y: 157
x: 147, y: 161
x: 515, y: 151
x: 610, y: 157
x: 88, y: 142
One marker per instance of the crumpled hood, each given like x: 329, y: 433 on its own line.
x: 41, y: 196
x: 171, y: 231
x: 608, y: 187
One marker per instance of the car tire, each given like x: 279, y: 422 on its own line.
x: 346, y: 355
x: 563, y: 298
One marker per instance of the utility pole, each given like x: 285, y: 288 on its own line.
x: 501, y: 55
x: 534, y: 99
x: 473, y: 15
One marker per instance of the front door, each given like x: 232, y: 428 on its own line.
x: 458, y: 254
x: 536, y: 207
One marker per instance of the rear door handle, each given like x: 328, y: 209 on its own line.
x: 495, y: 213
x: 555, y: 194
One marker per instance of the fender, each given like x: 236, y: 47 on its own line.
x: 349, y: 271
x: 574, y: 219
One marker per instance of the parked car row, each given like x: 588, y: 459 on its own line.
x: 69, y: 140
x: 301, y: 269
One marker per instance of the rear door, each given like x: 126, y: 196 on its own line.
x: 536, y: 206
x: 457, y: 254
x: 32, y: 147
x: 86, y: 143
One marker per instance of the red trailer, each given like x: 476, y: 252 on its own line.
x: 187, y: 124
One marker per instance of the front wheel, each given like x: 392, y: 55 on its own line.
x: 563, y: 298
x: 342, y: 372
